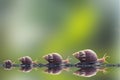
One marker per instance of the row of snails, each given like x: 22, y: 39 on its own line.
x: 88, y: 64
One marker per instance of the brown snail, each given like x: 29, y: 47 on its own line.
x: 26, y: 64
x: 88, y: 63
x: 89, y: 56
x: 55, y: 63
x: 8, y: 64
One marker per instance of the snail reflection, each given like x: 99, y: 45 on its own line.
x: 88, y: 63
x: 88, y: 70
x: 55, y: 70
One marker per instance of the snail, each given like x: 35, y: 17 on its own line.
x: 53, y: 58
x: 88, y: 56
x: 88, y: 63
x: 55, y: 63
x: 8, y: 64
x: 26, y: 64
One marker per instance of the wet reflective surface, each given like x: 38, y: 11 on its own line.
x: 88, y: 64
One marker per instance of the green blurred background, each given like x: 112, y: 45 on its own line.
x: 38, y: 27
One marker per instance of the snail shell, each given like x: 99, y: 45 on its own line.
x: 8, y: 64
x: 26, y: 64
x: 86, y: 56
x: 54, y: 58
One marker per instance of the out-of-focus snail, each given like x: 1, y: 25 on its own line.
x: 8, y: 64
x: 26, y: 64
x: 53, y: 58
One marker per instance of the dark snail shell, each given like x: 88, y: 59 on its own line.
x: 54, y: 63
x: 8, y: 64
x: 86, y: 56
x: 26, y: 64
x: 53, y: 58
